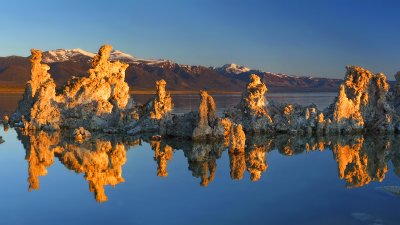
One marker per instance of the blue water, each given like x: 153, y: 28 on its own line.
x: 299, y: 186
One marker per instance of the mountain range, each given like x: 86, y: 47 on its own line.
x: 142, y: 73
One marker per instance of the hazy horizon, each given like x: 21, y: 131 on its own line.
x: 316, y: 38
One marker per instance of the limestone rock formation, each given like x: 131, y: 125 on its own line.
x: 362, y: 103
x: 39, y: 105
x: 97, y: 101
x: 162, y: 102
x: 251, y: 111
x: 210, y: 126
x: 201, y: 125
x: 294, y: 118
x: 154, y: 113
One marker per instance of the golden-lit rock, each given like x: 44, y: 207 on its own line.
x: 39, y: 103
x: 362, y: 103
x: 251, y: 111
x: 162, y: 102
x: 96, y: 101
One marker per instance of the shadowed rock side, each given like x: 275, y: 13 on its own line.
x: 199, y: 126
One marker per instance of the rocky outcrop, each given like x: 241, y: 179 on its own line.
x: 362, y: 103
x: 251, y: 111
x: 97, y: 100
x: 210, y: 126
x: 39, y: 105
x: 201, y: 125
x: 100, y: 102
x: 162, y: 102
x: 154, y: 114
x: 294, y: 118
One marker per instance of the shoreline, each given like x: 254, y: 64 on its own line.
x: 20, y: 90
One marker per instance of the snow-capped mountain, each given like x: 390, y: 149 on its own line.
x: 233, y: 68
x: 142, y: 73
x: 61, y: 55
x: 79, y: 55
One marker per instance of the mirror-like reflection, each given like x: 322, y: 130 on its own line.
x: 360, y: 159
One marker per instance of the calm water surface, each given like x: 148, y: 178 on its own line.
x: 49, y: 179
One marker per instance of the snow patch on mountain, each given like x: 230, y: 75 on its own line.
x: 234, y: 68
x: 77, y: 54
x: 61, y: 55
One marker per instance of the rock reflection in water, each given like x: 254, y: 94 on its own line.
x: 360, y: 159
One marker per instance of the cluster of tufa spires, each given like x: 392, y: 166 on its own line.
x: 100, y: 102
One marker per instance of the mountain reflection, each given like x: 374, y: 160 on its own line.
x: 360, y: 159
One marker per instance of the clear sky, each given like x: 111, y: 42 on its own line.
x: 313, y: 37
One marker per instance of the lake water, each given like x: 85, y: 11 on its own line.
x: 49, y: 179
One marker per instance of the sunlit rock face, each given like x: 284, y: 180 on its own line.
x: 96, y: 101
x: 39, y: 103
x: 362, y: 102
x: 360, y: 162
x: 101, y: 162
x: 251, y: 111
x: 162, y: 104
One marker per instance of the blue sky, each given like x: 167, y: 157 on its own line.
x: 314, y: 37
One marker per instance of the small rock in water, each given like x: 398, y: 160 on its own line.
x: 6, y: 119
x: 1, y: 140
x: 81, y: 134
x: 394, y: 190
